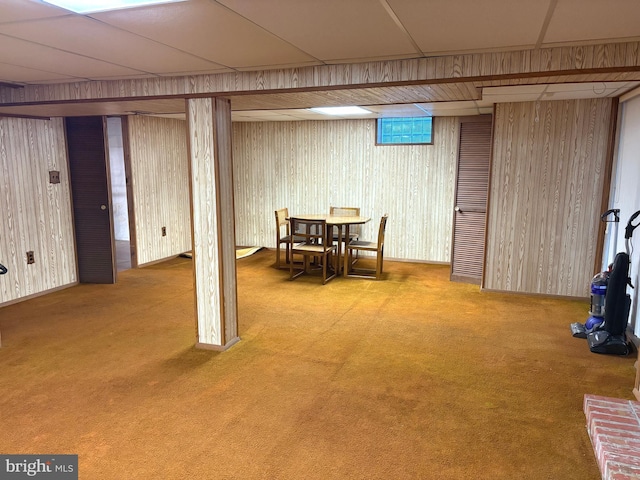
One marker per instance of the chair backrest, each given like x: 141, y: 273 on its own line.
x: 310, y: 232
x: 281, y: 220
x: 345, y: 211
x: 381, y: 230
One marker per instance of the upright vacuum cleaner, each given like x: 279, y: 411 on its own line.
x: 610, y: 337
x: 599, y: 284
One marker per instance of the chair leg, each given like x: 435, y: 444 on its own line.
x: 327, y: 261
x: 324, y: 269
x: 301, y: 270
x: 373, y: 273
x: 287, y: 256
x: 379, y: 266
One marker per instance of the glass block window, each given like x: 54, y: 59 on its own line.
x: 404, y: 131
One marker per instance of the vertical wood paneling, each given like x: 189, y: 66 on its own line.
x: 492, y: 64
x: 160, y: 184
x: 274, y: 161
x: 210, y: 156
x: 206, y: 261
x: 225, y: 212
x: 35, y: 215
x: 546, y: 189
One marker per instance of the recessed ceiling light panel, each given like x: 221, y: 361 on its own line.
x: 340, y: 110
x: 92, y: 6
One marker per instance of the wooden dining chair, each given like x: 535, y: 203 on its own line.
x: 283, y: 236
x: 315, y: 236
x: 365, y: 246
x: 354, y: 232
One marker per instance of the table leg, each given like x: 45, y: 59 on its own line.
x: 338, y: 249
x: 345, y: 268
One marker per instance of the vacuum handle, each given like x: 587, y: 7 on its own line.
x: 628, y: 231
x: 616, y: 215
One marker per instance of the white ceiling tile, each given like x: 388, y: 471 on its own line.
x: 457, y: 112
x: 449, y: 108
x: 448, y: 105
x: 528, y: 89
x: 506, y: 98
x: 17, y: 74
x: 440, y: 26
x: 516, y: 93
x: 21, y: 53
x: 580, y: 20
x: 92, y: 38
x: 19, y: 10
x: 408, y: 110
x: 303, y: 113
x: 208, y: 30
x: 330, y: 30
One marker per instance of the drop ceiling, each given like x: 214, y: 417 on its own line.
x: 43, y: 44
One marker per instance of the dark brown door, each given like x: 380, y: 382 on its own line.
x: 91, y: 199
x: 472, y: 184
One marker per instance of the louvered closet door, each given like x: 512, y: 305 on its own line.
x: 91, y: 199
x: 470, y: 210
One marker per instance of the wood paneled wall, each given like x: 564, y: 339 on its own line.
x: 160, y: 176
x: 309, y: 166
x: 546, y: 190
x: 587, y: 59
x: 214, y: 258
x: 34, y: 214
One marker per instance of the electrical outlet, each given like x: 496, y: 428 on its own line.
x: 54, y: 176
x: 30, y: 258
x: 164, y: 231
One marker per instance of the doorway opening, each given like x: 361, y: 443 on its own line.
x: 119, y: 201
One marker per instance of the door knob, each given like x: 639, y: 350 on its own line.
x: 103, y: 207
x: 457, y: 209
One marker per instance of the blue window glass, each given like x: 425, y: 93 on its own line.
x: 403, y: 131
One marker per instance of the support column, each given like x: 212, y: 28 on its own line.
x: 213, y: 222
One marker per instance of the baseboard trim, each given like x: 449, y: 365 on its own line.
x: 38, y: 294
x: 534, y: 294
